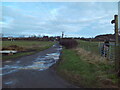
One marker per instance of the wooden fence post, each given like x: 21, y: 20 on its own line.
x: 119, y: 39
x: 117, y: 47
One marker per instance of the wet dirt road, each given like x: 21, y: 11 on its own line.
x: 34, y: 71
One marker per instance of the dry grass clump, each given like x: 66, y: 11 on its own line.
x: 84, y: 68
x: 90, y: 57
x: 105, y: 73
x: 14, y: 47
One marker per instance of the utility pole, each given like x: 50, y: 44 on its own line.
x: 115, y: 21
x: 117, y: 45
x: 62, y: 34
x: 119, y: 40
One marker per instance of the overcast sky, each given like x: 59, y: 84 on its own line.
x: 79, y: 19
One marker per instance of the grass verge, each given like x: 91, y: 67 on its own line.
x: 77, y: 69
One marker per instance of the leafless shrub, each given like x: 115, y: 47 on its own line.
x: 68, y: 43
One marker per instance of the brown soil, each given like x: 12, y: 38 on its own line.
x: 14, y: 47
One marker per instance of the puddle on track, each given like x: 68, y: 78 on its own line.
x: 43, y: 63
x: 7, y: 61
x: 40, y: 63
x: 8, y: 82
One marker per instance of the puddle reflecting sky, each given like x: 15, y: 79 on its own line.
x: 40, y: 63
x: 8, y: 82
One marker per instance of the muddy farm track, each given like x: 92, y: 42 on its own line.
x: 34, y: 71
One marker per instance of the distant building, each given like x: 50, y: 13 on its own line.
x: 11, y: 38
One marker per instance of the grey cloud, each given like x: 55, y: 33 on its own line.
x: 71, y: 18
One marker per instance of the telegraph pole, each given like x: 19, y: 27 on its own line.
x: 117, y: 47
x: 115, y: 21
x: 116, y: 29
x: 119, y: 40
x: 62, y: 34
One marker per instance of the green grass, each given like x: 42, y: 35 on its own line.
x: 73, y: 65
x: 89, y: 46
x: 26, y: 44
x: 32, y: 46
x: 85, y: 69
x: 75, y: 69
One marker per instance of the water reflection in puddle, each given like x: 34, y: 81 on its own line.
x: 18, y: 62
x: 7, y: 61
x: 43, y: 63
x: 40, y: 63
x: 8, y: 82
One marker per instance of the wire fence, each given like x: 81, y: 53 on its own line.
x: 97, y: 48
x: 110, y: 52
